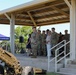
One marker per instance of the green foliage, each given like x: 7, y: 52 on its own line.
x: 5, y: 45
x: 21, y: 31
x: 17, y: 32
x: 49, y: 73
x: 52, y: 73
x: 24, y: 31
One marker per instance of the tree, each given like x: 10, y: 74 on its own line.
x: 22, y: 31
x: 17, y: 32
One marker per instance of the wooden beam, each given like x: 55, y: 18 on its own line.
x: 7, y: 16
x: 23, y: 18
x: 24, y: 23
x: 60, y: 11
x: 68, y: 3
x: 46, y: 11
x: 32, y: 18
x: 53, y: 21
x: 38, y: 24
x: 41, y: 6
x: 49, y: 16
x: 46, y: 5
x: 21, y: 24
x: 4, y: 22
x: 22, y: 15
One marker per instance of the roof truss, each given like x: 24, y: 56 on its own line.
x: 44, y: 13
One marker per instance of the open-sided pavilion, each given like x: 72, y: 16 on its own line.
x: 40, y: 13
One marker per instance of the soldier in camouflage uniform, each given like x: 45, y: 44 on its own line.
x: 44, y: 43
x: 39, y: 42
x: 34, y: 42
x: 54, y: 40
x: 67, y: 38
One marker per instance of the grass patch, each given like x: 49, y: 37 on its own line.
x: 52, y: 73
x: 49, y: 73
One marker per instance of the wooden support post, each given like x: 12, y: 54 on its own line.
x: 32, y: 18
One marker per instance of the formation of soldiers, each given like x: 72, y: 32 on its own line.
x: 38, y: 41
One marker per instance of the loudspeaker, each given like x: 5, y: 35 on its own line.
x: 21, y: 39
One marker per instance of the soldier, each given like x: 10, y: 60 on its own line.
x: 67, y: 38
x: 54, y: 40
x: 34, y: 42
x: 39, y: 42
x: 43, y: 43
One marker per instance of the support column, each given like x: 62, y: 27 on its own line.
x: 73, y: 29
x: 12, y: 37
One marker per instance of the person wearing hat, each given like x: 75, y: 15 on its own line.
x: 67, y: 38
x: 34, y: 42
x: 54, y: 40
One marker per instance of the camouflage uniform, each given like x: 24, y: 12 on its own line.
x: 34, y: 43
x: 39, y: 43
x: 44, y: 44
x: 54, y: 41
x: 67, y: 38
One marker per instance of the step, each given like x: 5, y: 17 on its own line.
x: 68, y: 70
x: 73, y: 66
x: 63, y: 73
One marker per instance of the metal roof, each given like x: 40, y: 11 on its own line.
x: 38, y: 12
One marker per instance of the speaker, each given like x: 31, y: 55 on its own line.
x: 21, y: 39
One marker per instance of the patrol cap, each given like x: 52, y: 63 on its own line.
x: 66, y: 30
x: 33, y: 27
x: 43, y: 30
x: 53, y: 28
x: 47, y: 30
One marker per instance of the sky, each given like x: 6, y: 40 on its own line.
x: 4, y: 4
x: 5, y: 29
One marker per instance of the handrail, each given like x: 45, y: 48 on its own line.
x: 62, y: 46
x: 64, y: 41
x: 59, y: 54
x: 64, y: 57
x: 56, y: 56
x: 52, y: 59
x: 60, y: 60
x: 57, y: 44
x: 56, y: 61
